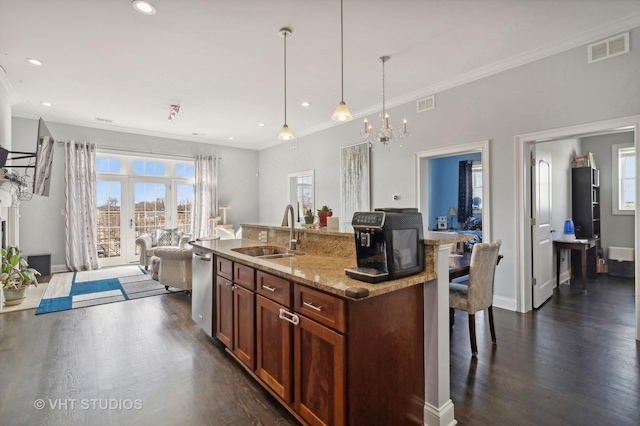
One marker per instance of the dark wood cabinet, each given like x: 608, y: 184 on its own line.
x: 328, y: 360
x: 235, y: 311
x: 585, y: 211
x: 319, y: 373
x: 224, y: 311
x: 274, y: 339
x: 244, y: 325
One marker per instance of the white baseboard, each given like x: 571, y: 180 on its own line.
x: 505, y: 303
x: 59, y: 268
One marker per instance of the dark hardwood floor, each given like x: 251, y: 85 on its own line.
x: 106, y: 361
x: 575, y: 361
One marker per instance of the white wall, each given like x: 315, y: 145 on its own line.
x: 41, y: 222
x: 616, y: 230
x: 557, y: 91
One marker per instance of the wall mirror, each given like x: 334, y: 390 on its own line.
x: 302, y: 192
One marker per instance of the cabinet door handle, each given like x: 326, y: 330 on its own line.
x: 268, y: 287
x: 312, y: 306
x: 228, y: 284
x: 288, y: 316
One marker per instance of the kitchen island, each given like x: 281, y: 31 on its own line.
x: 331, y: 349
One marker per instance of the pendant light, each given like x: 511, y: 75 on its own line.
x: 285, y: 134
x: 342, y: 113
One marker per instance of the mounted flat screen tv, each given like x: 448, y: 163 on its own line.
x: 44, y: 160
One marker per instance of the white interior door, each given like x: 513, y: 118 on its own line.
x: 542, y: 250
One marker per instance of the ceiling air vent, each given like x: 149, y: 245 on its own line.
x: 426, y: 103
x: 608, y: 48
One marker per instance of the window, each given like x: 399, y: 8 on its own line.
x: 476, y: 183
x: 152, y: 168
x: 184, y: 170
x: 624, y: 186
x: 107, y: 165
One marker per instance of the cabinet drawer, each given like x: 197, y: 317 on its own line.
x: 224, y: 267
x: 243, y: 275
x: 322, y: 307
x: 274, y: 288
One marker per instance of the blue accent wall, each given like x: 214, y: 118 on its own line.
x: 443, y: 186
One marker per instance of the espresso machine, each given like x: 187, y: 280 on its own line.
x: 389, y: 244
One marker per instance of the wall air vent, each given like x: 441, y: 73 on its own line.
x: 426, y: 103
x: 608, y: 48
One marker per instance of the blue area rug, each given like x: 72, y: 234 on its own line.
x: 71, y: 290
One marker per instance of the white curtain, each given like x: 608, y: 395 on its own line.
x: 80, y: 206
x: 206, y: 195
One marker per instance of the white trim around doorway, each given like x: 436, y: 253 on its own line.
x: 523, y: 204
x: 479, y: 146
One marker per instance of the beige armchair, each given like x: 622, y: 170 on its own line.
x: 148, y: 244
x: 175, y: 267
x: 476, y: 294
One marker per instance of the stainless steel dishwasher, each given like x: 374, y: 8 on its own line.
x: 203, y: 293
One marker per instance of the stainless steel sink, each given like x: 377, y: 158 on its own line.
x: 268, y: 252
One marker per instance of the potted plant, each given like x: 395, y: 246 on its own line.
x: 308, y: 217
x: 323, y: 213
x: 16, y: 276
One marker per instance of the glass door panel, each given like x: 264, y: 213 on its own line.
x: 150, y: 199
x: 184, y: 197
x: 109, y: 229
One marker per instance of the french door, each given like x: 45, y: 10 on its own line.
x: 129, y: 207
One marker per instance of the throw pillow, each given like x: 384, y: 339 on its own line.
x: 168, y: 237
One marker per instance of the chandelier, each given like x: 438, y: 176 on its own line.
x: 386, y: 134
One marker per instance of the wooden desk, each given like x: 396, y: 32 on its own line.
x: 572, y: 245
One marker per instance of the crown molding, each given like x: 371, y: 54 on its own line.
x: 608, y: 30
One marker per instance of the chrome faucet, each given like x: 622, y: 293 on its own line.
x: 293, y: 241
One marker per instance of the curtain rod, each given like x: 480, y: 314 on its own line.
x: 116, y: 149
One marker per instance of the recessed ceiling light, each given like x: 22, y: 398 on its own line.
x: 47, y: 104
x: 144, y: 7
x: 306, y: 104
x: 34, y: 61
x: 230, y: 138
x: 261, y: 124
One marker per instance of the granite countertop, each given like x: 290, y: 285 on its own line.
x: 324, y: 273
